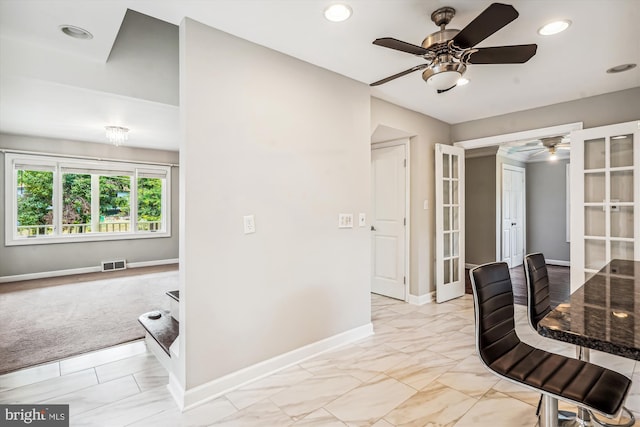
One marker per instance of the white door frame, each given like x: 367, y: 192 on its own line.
x: 406, y: 142
x: 527, y: 135
x: 500, y: 211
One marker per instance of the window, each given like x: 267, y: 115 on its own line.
x: 53, y: 200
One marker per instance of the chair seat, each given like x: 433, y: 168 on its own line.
x: 584, y: 383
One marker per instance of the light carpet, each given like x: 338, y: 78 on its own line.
x: 41, y: 324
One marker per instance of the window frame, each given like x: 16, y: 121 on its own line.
x: 59, y: 164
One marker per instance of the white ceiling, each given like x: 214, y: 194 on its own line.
x: 567, y: 66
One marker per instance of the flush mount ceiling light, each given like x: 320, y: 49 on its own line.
x: 76, y: 32
x: 554, y: 27
x: 621, y: 68
x: 337, y: 12
x: 117, y: 135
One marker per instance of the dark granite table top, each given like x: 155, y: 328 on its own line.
x: 603, y: 314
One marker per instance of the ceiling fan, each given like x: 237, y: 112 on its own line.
x: 449, y: 51
x: 549, y: 145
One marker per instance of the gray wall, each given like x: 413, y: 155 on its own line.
x: 17, y: 260
x: 269, y: 135
x: 547, y: 209
x: 616, y: 107
x: 425, y: 133
x: 480, y: 209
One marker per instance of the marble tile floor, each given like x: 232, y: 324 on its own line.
x: 419, y: 369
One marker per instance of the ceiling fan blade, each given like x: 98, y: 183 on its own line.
x: 446, y: 90
x: 564, y: 147
x: 395, y: 44
x: 524, y: 150
x: 493, y: 18
x: 517, y: 54
x: 538, y: 152
x: 403, y: 73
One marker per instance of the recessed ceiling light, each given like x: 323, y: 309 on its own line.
x: 76, y: 32
x: 621, y: 68
x: 337, y: 12
x: 554, y: 27
x: 462, y: 81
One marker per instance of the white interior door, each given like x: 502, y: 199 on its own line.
x: 513, y: 215
x: 449, y: 222
x: 388, y: 181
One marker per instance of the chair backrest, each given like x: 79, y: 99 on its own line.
x: 493, y: 300
x: 537, y: 277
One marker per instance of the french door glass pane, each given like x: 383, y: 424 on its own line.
x: 621, y: 250
x: 445, y: 166
x: 447, y: 244
x: 455, y: 218
x: 446, y: 217
x: 447, y: 271
x: 594, y: 254
x: 621, y: 186
x: 455, y: 265
x: 594, y: 217
x: 621, y: 151
x: 622, y: 222
x: 454, y: 197
x: 594, y: 187
x: 454, y: 168
x: 594, y: 157
x: 446, y: 195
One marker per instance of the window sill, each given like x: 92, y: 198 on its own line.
x: 46, y: 240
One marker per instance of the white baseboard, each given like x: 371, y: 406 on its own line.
x: 152, y: 263
x: 558, y: 262
x: 187, y: 399
x: 83, y: 270
x: 422, y: 299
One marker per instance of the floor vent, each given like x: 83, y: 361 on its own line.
x: 114, y: 265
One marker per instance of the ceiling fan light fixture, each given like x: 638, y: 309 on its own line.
x: 444, y: 75
x: 554, y: 27
x: 337, y: 12
x: 462, y: 81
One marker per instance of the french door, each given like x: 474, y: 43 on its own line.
x: 449, y: 212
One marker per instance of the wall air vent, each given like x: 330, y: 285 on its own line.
x: 114, y: 265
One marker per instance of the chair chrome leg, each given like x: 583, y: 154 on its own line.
x: 549, y: 413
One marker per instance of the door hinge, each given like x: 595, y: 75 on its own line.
x: 405, y: 221
x: 405, y: 163
x: 404, y: 280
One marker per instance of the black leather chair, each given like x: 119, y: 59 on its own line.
x: 577, y: 382
x: 539, y: 305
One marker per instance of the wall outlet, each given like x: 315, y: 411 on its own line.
x: 345, y: 220
x: 249, y: 224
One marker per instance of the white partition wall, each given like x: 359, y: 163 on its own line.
x: 271, y: 136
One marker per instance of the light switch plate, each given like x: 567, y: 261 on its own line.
x: 345, y: 220
x: 249, y: 224
x: 362, y: 220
